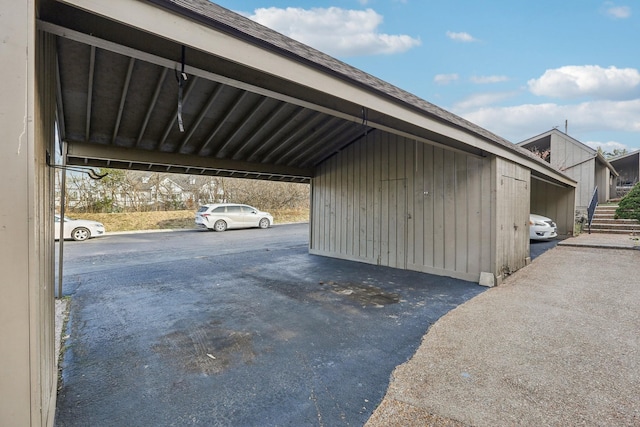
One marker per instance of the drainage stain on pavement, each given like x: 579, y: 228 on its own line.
x: 208, y: 349
x: 365, y: 295
x: 247, y: 338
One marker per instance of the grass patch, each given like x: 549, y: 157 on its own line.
x: 168, y: 220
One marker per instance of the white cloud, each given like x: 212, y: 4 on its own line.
x: 336, y: 31
x: 573, y: 81
x: 488, y: 79
x: 482, y: 100
x: 517, y: 123
x: 608, y: 146
x: 445, y: 79
x: 461, y: 37
x: 617, y: 12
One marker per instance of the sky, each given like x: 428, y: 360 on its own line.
x: 516, y: 68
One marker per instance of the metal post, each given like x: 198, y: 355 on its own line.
x: 591, y: 210
x: 63, y: 199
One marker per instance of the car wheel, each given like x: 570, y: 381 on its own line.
x: 79, y: 234
x: 220, y: 225
x: 264, y: 223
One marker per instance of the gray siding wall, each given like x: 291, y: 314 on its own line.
x: 512, y: 201
x: 28, y: 372
x: 392, y: 201
x: 44, y: 359
x: 603, y: 182
x: 584, y: 173
x: 577, y: 162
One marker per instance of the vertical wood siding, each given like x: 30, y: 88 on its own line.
x: 512, y: 217
x: 392, y: 201
x: 43, y: 364
x: 603, y: 182
x: 577, y: 162
x: 584, y: 173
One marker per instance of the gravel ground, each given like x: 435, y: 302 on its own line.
x: 556, y: 344
x: 604, y: 241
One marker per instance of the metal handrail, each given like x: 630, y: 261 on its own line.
x: 591, y: 210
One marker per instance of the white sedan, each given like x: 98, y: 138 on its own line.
x: 542, y: 228
x: 78, y: 229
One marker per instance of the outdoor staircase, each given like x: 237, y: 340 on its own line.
x: 604, y: 222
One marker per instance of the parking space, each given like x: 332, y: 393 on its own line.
x: 236, y: 328
x: 538, y: 247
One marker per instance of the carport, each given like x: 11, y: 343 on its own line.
x: 628, y: 165
x: 188, y: 87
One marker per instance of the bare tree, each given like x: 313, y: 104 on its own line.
x: 81, y: 193
x: 267, y: 194
x: 615, y: 153
x: 124, y: 190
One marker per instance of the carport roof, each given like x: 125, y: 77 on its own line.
x: 628, y: 165
x: 254, y: 103
x: 625, y: 156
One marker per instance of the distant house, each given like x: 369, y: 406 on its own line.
x: 173, y: 191
x: 628, y: 168
x: 170, y: 191
x: 578, y: 161
x: 158, y: 190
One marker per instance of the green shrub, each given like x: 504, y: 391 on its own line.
x: 629, y: 206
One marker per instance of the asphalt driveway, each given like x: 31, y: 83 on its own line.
x: 538, y: 247
x: 238, y: 328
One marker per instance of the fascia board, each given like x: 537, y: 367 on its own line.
x: 111, y: 153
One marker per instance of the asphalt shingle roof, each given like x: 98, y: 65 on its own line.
x: 225, y: 20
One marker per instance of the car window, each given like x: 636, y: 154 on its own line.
x: 203, y: 208
x: 219, y: 209
x: 234, y: 209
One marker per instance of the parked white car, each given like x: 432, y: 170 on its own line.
x: 542, y: 228
x: 221, y: 216
x: 78, y: 229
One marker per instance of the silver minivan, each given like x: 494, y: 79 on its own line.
x: 220, y: 216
